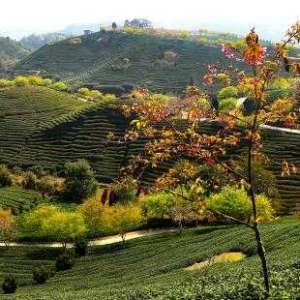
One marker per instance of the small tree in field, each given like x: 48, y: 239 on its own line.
x: 121, y: 219
x: 7, y: 225
x: 114, y: 26
x: 80, y: 180
x: 49, y: 223
x: 64, y: 227
x: 174, y: 126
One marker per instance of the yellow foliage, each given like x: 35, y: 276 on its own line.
x: 121, y: 218
x: 7, y: 224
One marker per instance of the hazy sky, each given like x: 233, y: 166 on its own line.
x: 25, y: 16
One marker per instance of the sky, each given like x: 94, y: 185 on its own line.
x: 21, y: 17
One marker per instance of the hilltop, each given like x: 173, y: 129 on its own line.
x: 159, y: 62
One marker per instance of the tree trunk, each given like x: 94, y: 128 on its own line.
x: 262, y: 255
x: 259, y: 244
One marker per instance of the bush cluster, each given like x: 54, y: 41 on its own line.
x: 22, y: 81
x: 5, y: 177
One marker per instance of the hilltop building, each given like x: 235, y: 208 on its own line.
x: 138, y: 23
x: 87, y: 32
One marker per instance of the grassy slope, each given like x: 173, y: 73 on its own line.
x: 38, y: 125
x: 154, y: 262
x: 25, y: 110
x: 95, y: 59
x: 10, y: 49
x: 14, y: 197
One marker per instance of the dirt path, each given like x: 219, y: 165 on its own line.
x: 113, y: 239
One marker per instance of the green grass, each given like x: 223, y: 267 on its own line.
x: 156, y: 263
x: 99, y: 58
x: 16, y: 197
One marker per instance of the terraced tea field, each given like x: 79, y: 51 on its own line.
x: 41, y: 126
x: 16, y: 197
x: 25, y: 110
x: 154, y: 263
x: 119, y: 57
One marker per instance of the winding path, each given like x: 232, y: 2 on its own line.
x: 113, y: 239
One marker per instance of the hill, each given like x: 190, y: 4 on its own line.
x: 45, y: 127
x: 25, y: 110
x: 161, y: 63
x: 10, y: 52
x: 154, y: 267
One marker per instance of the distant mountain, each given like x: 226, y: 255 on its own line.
x: 10, y: 52
x: 36, y: 41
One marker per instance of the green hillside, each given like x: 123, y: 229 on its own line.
x: 40, y: 126
x: 153, y: 267
x: 10, y: 52
x: 120, y: 57
x: 17, y: 197
x: 25, y: 110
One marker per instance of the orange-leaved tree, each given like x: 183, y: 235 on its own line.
x: 172, y: 127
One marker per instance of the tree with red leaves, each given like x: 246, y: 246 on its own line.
x: 173, y: 126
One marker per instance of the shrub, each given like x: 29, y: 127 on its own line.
x: 59, y: 86
x: 228, y: 92
x: 31, y: 223
x: 280, y: 88
x: 35, y: 80
x: 41, y: 274
x: 228, y: 104
x: 81, y: 248
x: 46, y: 186
x: 158, y: 205
x: 9, y: 285
x: 231, y: 201
x: 21, y: 81
x: 30, y: 181
x: 4, y: 83
x: 47, y: 82
x: 265, y: 210
x: 63, y: 227
x: 236, y: 203
x: 84, y: 92
x: 37, y: 170
x: 121, y: 219
x: 47, y: 222
x: 80, y: 181
x: 125, y: 190
x: 64, y: 262
x: 92, y: 210
x: 7, y: 225
x: 5, y: 177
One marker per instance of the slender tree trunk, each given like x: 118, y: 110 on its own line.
x: 259, y: 244
x: 262, y: 255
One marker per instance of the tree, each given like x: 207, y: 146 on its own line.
x: 121, y: 219
x: 5, y: 177
x: 114, y: 26
x: 80, y: 180
x: 49, y: 223
x: 64, y: 227
x: 231, y: 130
x: 7, y: 225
